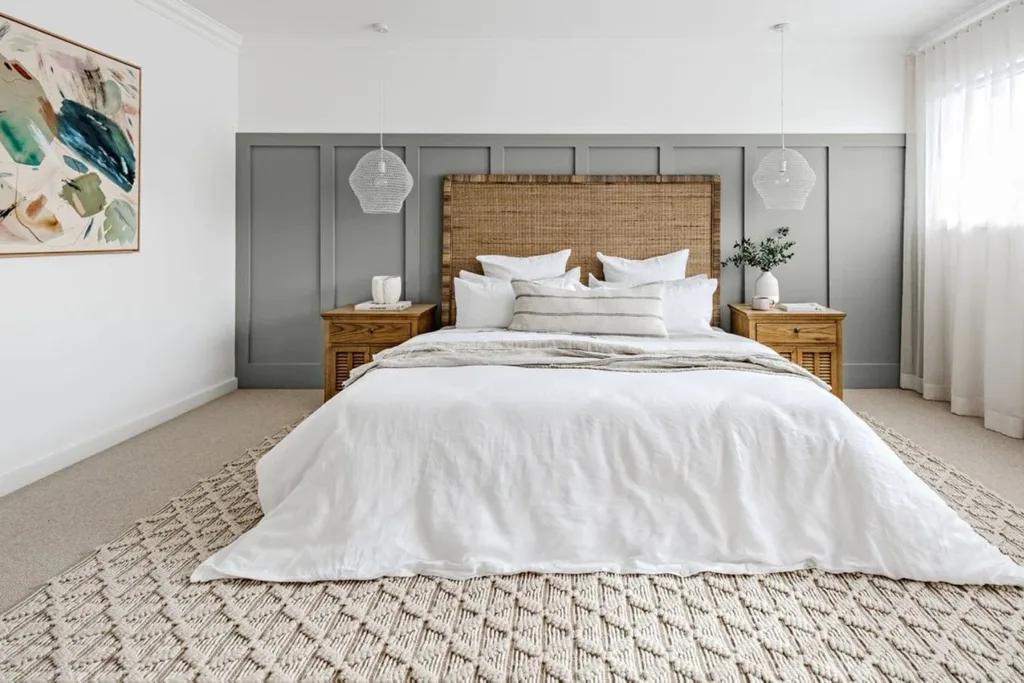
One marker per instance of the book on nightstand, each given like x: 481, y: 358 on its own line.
x: 370, y: 306
x: 802, y: 308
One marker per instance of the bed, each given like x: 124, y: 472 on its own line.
x: 465, y: 453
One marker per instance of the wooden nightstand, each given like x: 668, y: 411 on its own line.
x: 351, y: 337
x: 813, y: 341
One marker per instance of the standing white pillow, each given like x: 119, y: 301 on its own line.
x: 487, y: 302
x: 593, y: 282
x: 688, y: 304
x: 525, y: 268
x: 483, y: 304
x: 656, y: 269
x: 568, y: 277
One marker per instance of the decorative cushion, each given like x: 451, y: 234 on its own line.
x: 688, y: 303
x: 621, y: 311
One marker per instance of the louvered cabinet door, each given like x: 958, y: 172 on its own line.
x: 340, y: 362
x: 820, y: 362
x: 787, y: 352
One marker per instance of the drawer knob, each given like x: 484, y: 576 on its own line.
x: 796, y: 330
x: 371, y: 330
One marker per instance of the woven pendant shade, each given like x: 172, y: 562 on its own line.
x: 784, y: 179
x: 381, y: 182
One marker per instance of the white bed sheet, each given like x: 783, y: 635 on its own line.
x: 468, y: 471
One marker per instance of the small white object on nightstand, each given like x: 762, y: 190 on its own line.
x: 386, y: 289
x: 373, y: 306
x: 767, y: 286
x: 803, y: 308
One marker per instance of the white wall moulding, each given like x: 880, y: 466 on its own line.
x: 972, y: 16
x: 192, y: 19
x: 608, y: 20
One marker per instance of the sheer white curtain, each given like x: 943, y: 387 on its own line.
x: 963, y: 271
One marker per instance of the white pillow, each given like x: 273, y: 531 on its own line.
x: 688, y: 303
x: 525, y: 268
x: 482, y: 301
x: 570, y: 276
x: 592, y: 280
x: 657, y: 269
x: 626, y: 310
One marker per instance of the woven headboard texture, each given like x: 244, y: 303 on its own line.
x: 632, y: 216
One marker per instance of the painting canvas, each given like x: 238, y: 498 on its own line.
x: 70, y: 121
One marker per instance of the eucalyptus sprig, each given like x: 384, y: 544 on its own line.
x: 773, y: 251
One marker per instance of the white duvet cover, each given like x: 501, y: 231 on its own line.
x: 468, y: 471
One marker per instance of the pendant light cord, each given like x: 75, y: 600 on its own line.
x: 782, y: 85
x: 382, y: 94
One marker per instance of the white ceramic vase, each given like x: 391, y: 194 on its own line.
x: 386, y: 289
x: 767, y: 286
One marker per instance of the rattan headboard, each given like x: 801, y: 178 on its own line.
x: 631, y: 216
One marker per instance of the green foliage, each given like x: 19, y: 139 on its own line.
x: 772, y: 252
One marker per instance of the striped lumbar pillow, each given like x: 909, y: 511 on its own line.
x: 633, y: 310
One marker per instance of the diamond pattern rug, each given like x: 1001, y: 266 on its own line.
x: 128, y: 612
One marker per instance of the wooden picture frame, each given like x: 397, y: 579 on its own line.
x: 70, y: 146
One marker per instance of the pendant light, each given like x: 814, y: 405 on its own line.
x: 784, y: 179
x: 380, y: 180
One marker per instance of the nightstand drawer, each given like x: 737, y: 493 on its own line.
x: 370, y: 332
x: 796, y: 333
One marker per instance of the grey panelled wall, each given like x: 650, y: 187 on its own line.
x: 305, y: 247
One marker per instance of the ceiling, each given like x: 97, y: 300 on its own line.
x: 542, y: 19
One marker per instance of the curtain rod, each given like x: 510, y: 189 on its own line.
x: 955, y: 26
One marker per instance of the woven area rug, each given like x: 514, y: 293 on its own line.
x: 128, y: 612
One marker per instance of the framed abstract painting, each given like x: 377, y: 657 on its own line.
x: 70, y: 128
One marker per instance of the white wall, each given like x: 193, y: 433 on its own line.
x: 96, y: 348
x: 713, y: 85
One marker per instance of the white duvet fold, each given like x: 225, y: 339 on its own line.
x: 579, y: 353
x: 470, y: 470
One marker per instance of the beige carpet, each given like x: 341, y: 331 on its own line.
x: 995, y: 460
x: 128, y: 611
x: 52, y: 524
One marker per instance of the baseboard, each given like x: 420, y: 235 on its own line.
x: 280, y: 375
x: 54, y: 462
x: 871, y: 375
